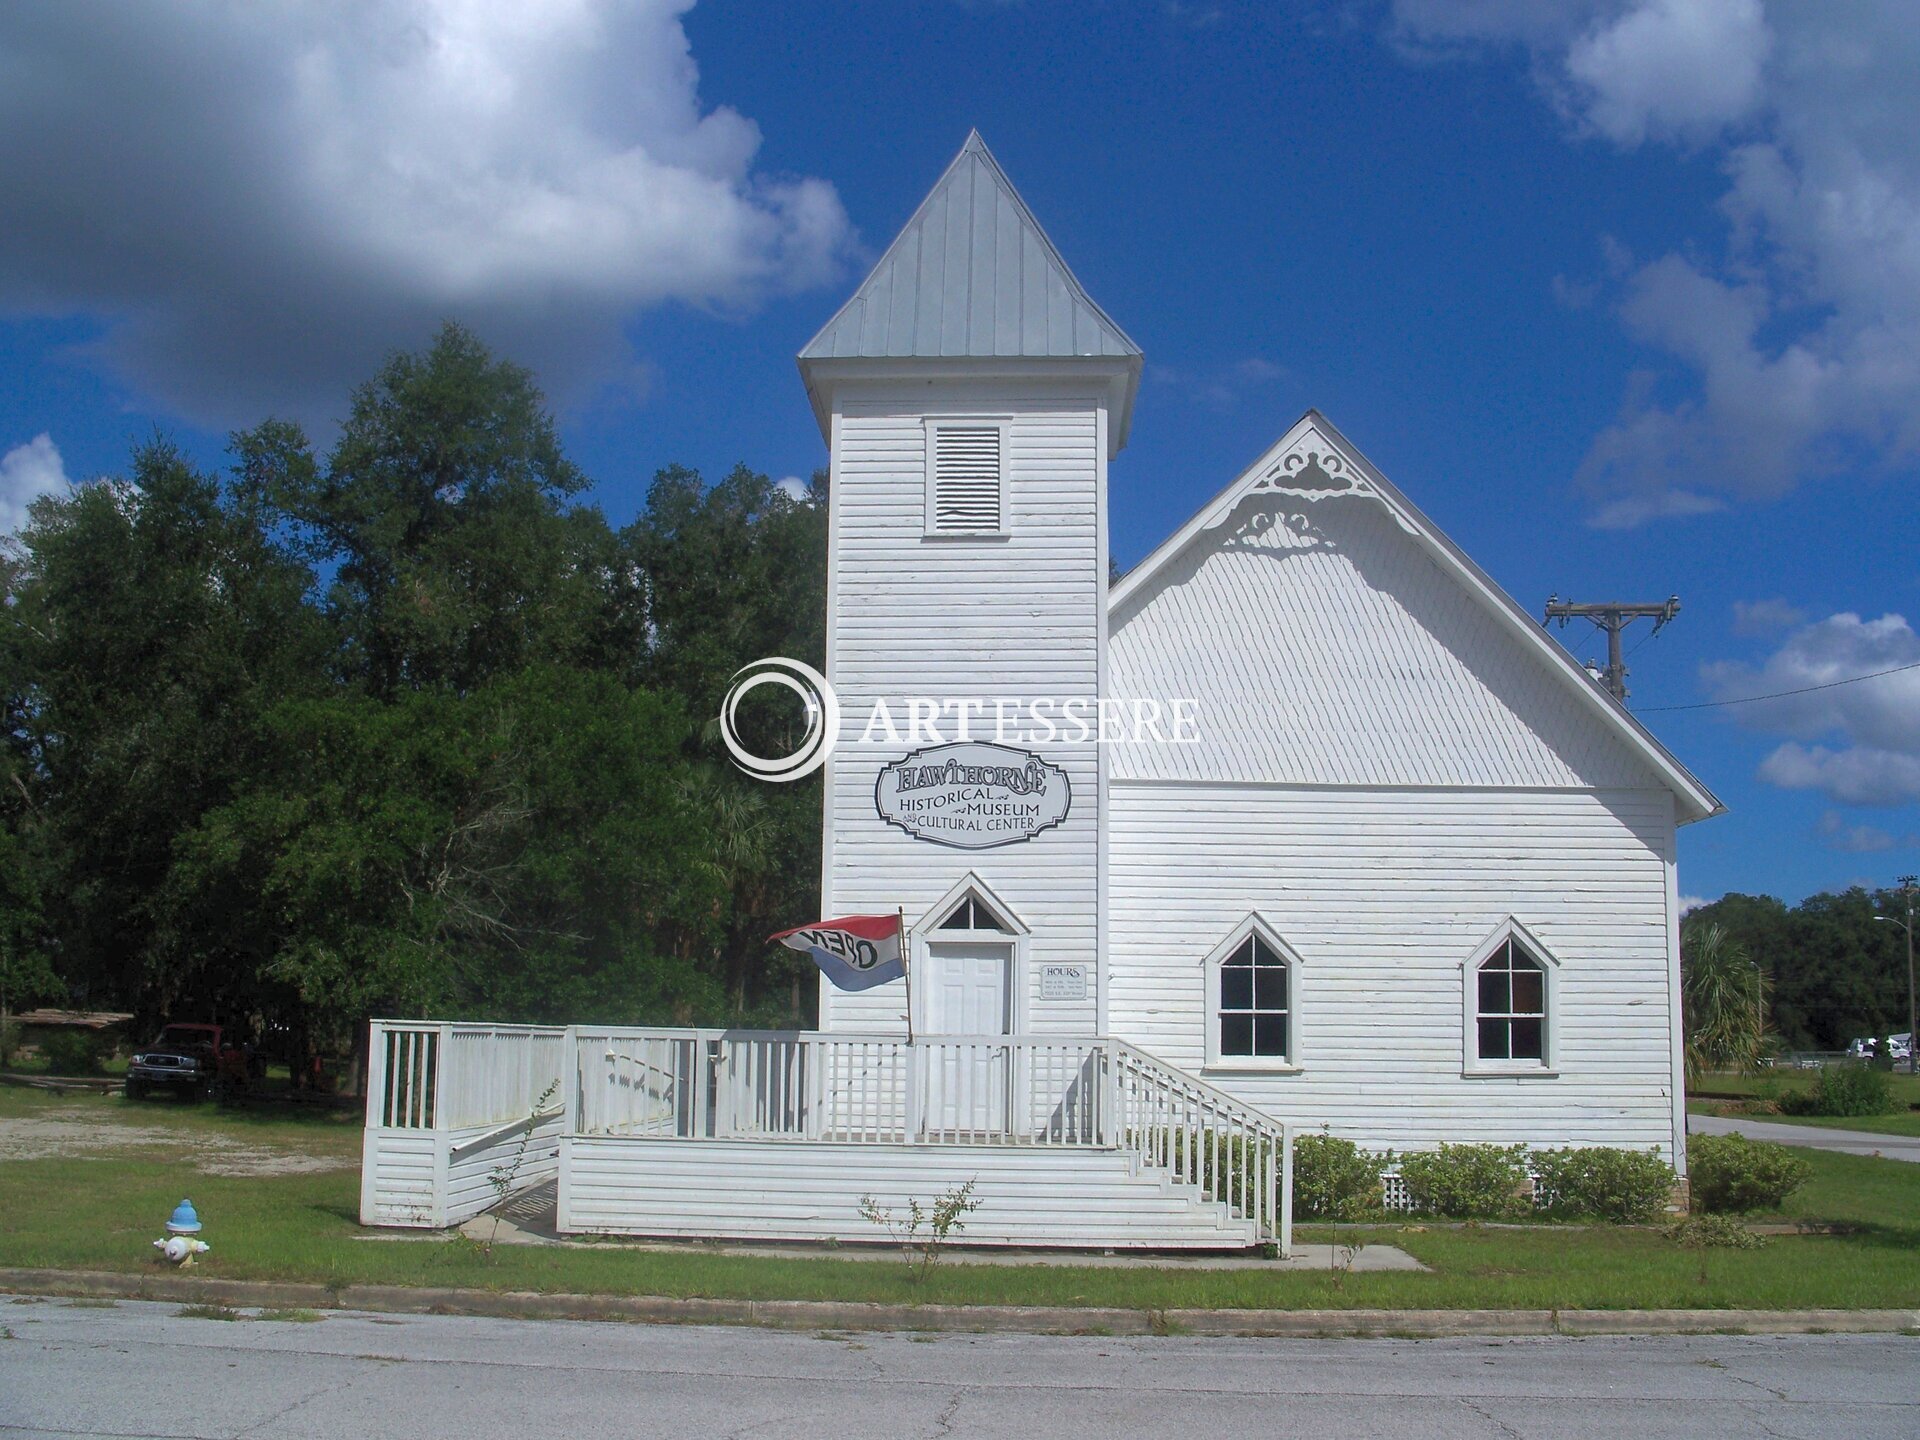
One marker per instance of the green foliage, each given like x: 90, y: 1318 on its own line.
x: 71, y: 1052
x: 923, y: 1232
x: 1713, y: 1232
x: 1844, y: 1089
x: 1624, y: 1186
x: 1732, y: 1174
x: 1468, y: 1182
x: 1723, y: 999
x: 404, y: 728
x: 1334, y: 1179
x: 1837, y: 974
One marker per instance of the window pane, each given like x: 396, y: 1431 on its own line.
x: 1236, y: 987
x: 1495, y: 991
x: 1527, y: 1040
x: 1270, y: 1035
x: 1270, y: 986
x: 1236, y: 1035
x: 960, y: 919
x: 1529, y: 992
x: 1493, y: 1040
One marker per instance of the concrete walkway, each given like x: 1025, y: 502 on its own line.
x: 1811, y: 1137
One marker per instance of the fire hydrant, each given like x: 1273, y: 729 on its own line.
x: 181, y: 1243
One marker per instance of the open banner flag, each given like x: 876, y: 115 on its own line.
x: 856, y: 952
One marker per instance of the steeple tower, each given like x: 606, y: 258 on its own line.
x: 971, y: 393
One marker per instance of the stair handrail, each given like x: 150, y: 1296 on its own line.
x: 1231, y: 1151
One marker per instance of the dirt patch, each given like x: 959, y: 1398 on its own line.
x: 75, y: 1132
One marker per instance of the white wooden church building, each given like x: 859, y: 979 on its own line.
x: 1352, y: 842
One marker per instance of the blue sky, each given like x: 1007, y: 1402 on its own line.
x: 1624, y: 293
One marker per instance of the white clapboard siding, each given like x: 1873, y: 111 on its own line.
x: 434, y: 1178
x: 1383, y: 894
x: 734, y: 1189
x: 490, y: 1165
x: 1014, y: 618
x: 1323, y: 646
x: 400, y: 1172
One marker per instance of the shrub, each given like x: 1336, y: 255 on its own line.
x: 1624, y: 1186
x: 1843, y: 1090
x: 1334, y: 1179
x: 71, y: 1052
x: 1733, y: 1173
x: 1713, y: 1232
x: 1472, y: 1182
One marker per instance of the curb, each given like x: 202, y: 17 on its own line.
x: 1018, y: 1319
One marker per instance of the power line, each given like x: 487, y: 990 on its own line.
x: 1783, y: 694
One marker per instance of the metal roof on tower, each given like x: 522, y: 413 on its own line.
x: 971, y: 274
x: 973, y: 278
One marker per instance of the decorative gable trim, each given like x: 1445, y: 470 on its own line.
x: 1312, y: 480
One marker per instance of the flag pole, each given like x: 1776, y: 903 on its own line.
x: 906, y: 971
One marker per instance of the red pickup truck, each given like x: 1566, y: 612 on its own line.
x: 190, y: 1060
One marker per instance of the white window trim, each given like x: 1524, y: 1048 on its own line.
x: 931, y: 530
x: 1471, y: 1065
x: 1218, y: 1064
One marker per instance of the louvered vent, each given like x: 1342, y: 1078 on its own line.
x: 966, y: 477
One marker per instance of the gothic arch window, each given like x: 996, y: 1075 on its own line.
x: 1253, y: 1000
x: 1509, y: 984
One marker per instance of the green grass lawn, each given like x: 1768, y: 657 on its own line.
x: 1772, y: 1084
x: 102, y: 1211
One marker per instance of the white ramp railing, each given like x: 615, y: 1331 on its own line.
x: 1231, y: 1151
x: 951, y: 1090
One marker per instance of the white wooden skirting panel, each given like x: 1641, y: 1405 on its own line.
x: 734, y: 1189
x: 1329, y: 649
x: 1383, y: 894
x: 412, y: 1178
x: 1014, y: 618
x: 399, y: 1172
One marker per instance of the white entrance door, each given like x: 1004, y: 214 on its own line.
x: 967, y: 987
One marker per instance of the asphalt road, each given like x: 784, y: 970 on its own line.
x: 142, y: 1369
x: 1813, y: 1137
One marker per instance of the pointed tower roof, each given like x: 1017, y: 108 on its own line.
x: 972, y: 277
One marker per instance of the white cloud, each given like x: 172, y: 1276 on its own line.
x: 1676, y: 68
x: 1221, y: 388
x: 1851, y: 839
x: 1801, y: 338
x: 26, y: 473
x: 794, y: 488
x: 1860, y: 775
x: 1690, y: 903
x: 258, y: 201
x: 1765, y: 617
x: 1856, y: 743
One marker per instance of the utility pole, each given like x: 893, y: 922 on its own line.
x: 1613, y: 618
x: 1907, y: 883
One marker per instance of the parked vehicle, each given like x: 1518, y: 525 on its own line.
x: 192, y: 1061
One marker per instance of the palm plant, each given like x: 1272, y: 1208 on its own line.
x: 1723, y: 1002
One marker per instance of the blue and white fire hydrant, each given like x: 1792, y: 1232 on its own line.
x: 182, y: 1243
